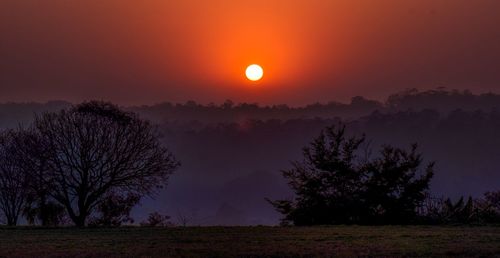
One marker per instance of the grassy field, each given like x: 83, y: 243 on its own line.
x: 251, y: 242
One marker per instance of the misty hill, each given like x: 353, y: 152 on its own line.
x: 464, y: 144
x: 441, y: 100
x: 232, y: 154
x: 12, y: 114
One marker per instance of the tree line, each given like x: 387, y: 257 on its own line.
x: 440, y: 99
x: 93, y: 162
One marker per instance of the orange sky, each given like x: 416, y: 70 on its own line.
x: 136, y: 52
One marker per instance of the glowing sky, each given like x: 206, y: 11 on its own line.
x: 142, y: 52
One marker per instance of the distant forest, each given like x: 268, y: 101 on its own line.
x: 233, y: 154
x: 440, y: 100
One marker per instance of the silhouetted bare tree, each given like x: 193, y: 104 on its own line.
x: 32, y: 159
x: 12, y: 181
x: 94, y: 148
x: 184, y: 218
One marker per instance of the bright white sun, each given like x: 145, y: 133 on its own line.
x: 254, y: 72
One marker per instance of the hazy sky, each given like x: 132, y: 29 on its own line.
x: 147, y: 51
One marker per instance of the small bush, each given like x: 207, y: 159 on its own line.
x: 155, y: 219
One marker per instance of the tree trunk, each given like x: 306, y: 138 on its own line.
x: 11, y: 221
x: 80, y: 221
x: 43, y: 211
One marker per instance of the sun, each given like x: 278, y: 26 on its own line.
x: 254, y: 72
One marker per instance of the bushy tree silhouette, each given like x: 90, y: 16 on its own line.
x: 489, y: 206
x: 393, y: 190
x: 155, y: 219
x: 327, y: 183
x: 49, y: 213
x: 337, y: 183
x: 115, y: 210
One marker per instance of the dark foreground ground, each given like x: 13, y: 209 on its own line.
x: 419, y: 241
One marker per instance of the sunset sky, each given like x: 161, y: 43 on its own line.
x: 149, y: 51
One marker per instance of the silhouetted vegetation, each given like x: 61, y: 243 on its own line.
x: 484, y: 210
x: 47, y: 213
x: 91, y: 158
x: 32, y: 161
x: 334, y: 185
x: 156, y: 219
x: 337, y: 182
x: 12, y: 182
x: 242, y: 147
x: 115, y: 210
x: 440, y: 100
